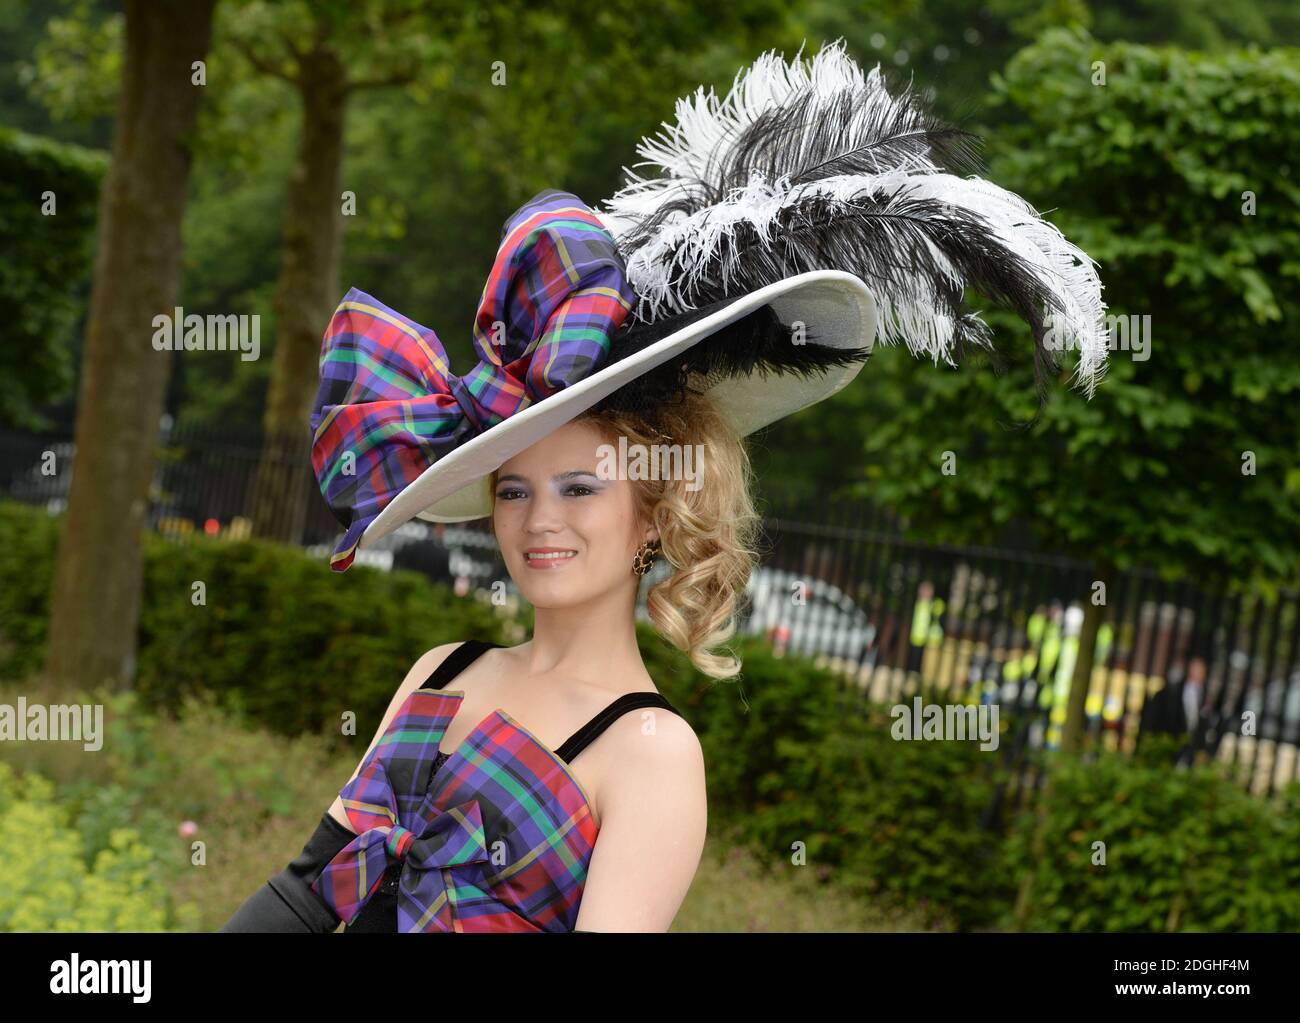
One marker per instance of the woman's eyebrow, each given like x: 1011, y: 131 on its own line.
x: 514, y: 476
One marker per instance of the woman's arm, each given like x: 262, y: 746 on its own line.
x: 654, y: 815
x: 286, y: 904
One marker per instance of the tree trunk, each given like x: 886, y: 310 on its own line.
x: 95, y: 606
x: 1081, y: 680
x: 306, y: 295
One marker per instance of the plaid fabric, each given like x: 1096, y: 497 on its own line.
x: 500, y: 841
x: 389, y: 406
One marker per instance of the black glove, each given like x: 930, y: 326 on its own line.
x: 286, y: 904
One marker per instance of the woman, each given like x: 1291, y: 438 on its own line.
x: 645, y: 776
x: 794, y: 223
x: 646, y: 773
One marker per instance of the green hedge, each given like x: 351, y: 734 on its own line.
x: 791, y: 759
x: 28, y: 539
x: 794, y: 758
x: 297, y: 643
x: 1185, y: 850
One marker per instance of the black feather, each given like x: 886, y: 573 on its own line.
x: 886, y: 240
x: 758, y: 342
x: 897, y: 241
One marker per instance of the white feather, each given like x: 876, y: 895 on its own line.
x: 668, y: 270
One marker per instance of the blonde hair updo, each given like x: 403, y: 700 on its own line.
x: 709, y: 536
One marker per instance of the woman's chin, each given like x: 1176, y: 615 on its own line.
x: 547, y: 598
x: 541, y: 589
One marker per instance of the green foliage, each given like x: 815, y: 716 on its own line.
x: 951, y: 47
x: 899, y: 821
x: 28, y: 540
x: 55, y: 880
x: 1184, y: 851
x: 76, y: 69
x: 245, y: 813
x: 160, y: 767
x: 45, y: 264
x: 1147, y: 174
x: 298, y: 643
x: 280, y: 636
x: 796, y: 763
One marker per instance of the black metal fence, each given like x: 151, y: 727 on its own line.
x: 978, y: 626
x: 999, y: 627
x: 202, y: 482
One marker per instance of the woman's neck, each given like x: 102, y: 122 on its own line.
x: 599, y: 648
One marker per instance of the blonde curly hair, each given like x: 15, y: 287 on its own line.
x: 709, y: 536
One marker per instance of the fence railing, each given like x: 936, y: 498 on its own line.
x: 988, y: 626
x: 842, y: 584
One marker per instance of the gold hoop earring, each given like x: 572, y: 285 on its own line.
x: 645, y: 557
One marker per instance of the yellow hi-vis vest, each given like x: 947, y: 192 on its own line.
x: 921, y: 622
x: 935, y: 633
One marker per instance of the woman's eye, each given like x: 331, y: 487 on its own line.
x: 574, y: 490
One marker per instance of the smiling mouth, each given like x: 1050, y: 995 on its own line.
x: 557, y: 556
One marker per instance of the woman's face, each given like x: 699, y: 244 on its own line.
x: 549, y: 499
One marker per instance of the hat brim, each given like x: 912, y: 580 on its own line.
x: 837, y: 309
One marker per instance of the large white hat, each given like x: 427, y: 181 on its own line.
x: 790, y: 226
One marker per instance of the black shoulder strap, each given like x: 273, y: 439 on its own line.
x: 456, y: 662
x: 465, y: 654
x: 588, y: 733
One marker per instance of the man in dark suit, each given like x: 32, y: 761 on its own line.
x: 1178, y: 710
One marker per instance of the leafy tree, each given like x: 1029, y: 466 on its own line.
x: 325, y: 52
x: 61, y: 68
x: 953, y: 46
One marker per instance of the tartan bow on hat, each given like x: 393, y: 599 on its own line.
x: 389, y: 406
x: 425, y: 842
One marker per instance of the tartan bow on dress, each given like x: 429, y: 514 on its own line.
x: 389, y: 406
x: 429, y: 841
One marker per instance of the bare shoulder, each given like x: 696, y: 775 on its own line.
x: 653, y: 822
x: 654, y: 745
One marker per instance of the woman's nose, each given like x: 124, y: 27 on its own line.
x: 543, y: 514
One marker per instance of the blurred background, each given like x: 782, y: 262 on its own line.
x: 1119, y: 579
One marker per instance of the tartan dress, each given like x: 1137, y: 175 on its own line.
x: 495, y: 835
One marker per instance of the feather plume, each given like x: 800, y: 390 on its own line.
x: 814, y: 165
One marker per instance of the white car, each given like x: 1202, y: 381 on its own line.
x: 818, y: 618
